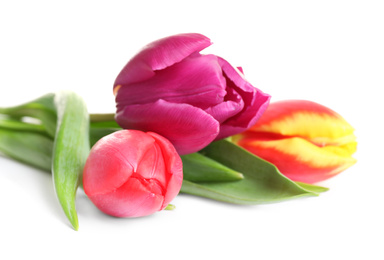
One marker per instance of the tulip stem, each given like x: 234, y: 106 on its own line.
x: 102, y: 117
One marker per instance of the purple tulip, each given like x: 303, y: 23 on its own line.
x: 189, y: 98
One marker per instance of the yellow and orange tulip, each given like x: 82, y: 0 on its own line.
x: 306, y: 141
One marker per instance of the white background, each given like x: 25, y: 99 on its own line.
x: 330, y: 52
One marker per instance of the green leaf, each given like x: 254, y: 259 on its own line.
x: 30, y: 144
x: 262, y: 182
x: 96, y: 133
x: 312, y: 188
x: 199, y: 168
x: 27, y: 147
x: 102, y: 125
x: 70, y: 150
x: 64, y: 120
x: 42, y: 108
x: 14, y: 124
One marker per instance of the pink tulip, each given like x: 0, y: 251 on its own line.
x: 189, y: 98
x: 131, y: 173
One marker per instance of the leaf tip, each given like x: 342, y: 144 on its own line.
x: 170, y: 207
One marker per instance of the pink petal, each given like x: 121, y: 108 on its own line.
x: 152, y: 166
x: 196, y: 80
x: 132, y: 199
x: 255, y: 102
x: 174, y: 168
x: 188, y: 128
x: 120, y: 160
x: 159, y: 55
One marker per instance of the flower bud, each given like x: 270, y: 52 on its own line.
x: 306, y: 141
x: 130, y: 173
x: 189, y: 98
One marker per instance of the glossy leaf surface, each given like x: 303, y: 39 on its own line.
x: 262, y: 182
x: 199, y: 168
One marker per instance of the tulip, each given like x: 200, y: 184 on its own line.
x: 189, y: 98
x: 306, y: 141
x: 130, y: 173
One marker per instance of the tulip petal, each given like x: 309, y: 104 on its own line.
x: 301, y: 160
x: 102, y: 181
x: 292, y: 117
x: 188, y: 128
x: 307, y: 141
x: 173, y: 166
x: 151, y: 166
x: 225, y: 110
x: 196, y: 80
x: 132, y: 199
x: 123, y: 161
x: 255, y: 101
x: 159, y: 55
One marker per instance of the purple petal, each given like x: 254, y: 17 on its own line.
x: 159, y: 55
x: 255, y: 102
x: 225, y: 110
x: 196, y: 80
x: 188, y: 128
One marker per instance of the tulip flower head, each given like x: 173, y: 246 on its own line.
x: 306, y: 141
x: 189, y: 98
x: 130, y: 173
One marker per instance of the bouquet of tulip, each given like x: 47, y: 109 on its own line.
x: 185, y: 122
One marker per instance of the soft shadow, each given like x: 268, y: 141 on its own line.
x: 39, y: 184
